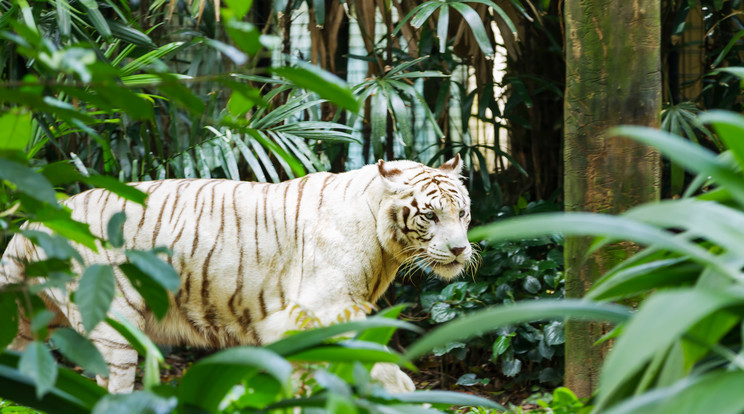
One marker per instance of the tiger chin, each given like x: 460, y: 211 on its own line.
x: 251, y: 256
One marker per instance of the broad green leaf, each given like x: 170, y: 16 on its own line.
x: 71, y: 229
x: 447, y: 398
x: 500, y: 345
x: 661, y: 320
x: 730, y: 128
x: 239, y: 7
x: 642, y: 278
x: 136, y: 402
x: 15, y: 129
x: 94, y: 294
x: 8, y: 318
x: 307, y: 339
x: 38, y: 364
x: 80, y: 351
x: 348, y: 351
x: 117, y: 187
x: 704, y: 394
x: 54, y: 246
x: 485, y: 320
x: 239, y: 104
x: 152, y: 292
x: 115, y: 229
x: 150, y: 264
x: 27, y: 181
x: 63, y: 17
x: 72, y: 393
x: 693, y: 157
x: 208, y: 381
x: 339, y: 404
x: 734, y: 70
x: 598, y: 225
x: 476, y: 25
x: 325, y: 84
x: 245, y: 35
x: 139, y: 341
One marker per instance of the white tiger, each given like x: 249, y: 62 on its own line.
x: 250, y: 254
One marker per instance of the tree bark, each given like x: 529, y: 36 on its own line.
x: 612, y: 78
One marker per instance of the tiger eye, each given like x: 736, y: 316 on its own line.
x: 462, y: 213
x: 430, y: 215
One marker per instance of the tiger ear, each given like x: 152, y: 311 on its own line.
x: 452, y: 167
x: 394, y: 179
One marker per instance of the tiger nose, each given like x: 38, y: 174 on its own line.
x: 457, y: 250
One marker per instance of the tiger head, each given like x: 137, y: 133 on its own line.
x: 429, y: 213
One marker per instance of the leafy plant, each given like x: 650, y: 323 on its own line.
x: 509, y: 271
x: 667, y: 353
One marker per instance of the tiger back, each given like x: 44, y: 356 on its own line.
x: 254, y: 258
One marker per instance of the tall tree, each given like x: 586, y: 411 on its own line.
x: 612, y: 78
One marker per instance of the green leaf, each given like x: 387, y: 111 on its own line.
x: 129, y: 34
x: 136, y: 402
x: 446, y: 398
x: 708, y: 393
x: 486, y: 320
x: 208, y: 381
x: 245, y: 35
x: 348, y: 351
x: 339, y: 404
x: 691, y: 156
x: 160, y: 271
x: 139, y: 341
x: 599, y: 225
x: 95, y: 293
x: 442, y: 28
x: 426, y: 9
x: 730, y: 128
x: 325, y: 84
x: 501, y: 344
x: 15, y: 129
x: 239, y: 7
x: 124, y: 191
x: 660, y: 320
x: 643, y: 278
x: 8, y: 318
x: 80, y: 351
x: 319, y: 10
x: 115, y: 229
x: 476, y: 25
x: 153, y: 293
x: 72, y: 392
x: 307, y: 339
x: 231, y: 52
x: 38, y: 364
x: 27, y: 181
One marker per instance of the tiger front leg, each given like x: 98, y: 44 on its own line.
x: 120, y: 357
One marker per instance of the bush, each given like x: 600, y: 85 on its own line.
x: 510, y: 271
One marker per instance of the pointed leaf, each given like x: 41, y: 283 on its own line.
x: 660, y: 320
x: 80, y: 351
x: 485, y: 320
x: 476, y: 25
x: 160, y: 271
x: 325, y: 84
x: 94, y: 294
x: 38, y: 364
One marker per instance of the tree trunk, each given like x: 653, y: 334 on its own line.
x: 612, y: 78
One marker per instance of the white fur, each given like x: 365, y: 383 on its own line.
x: 259, y: 259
